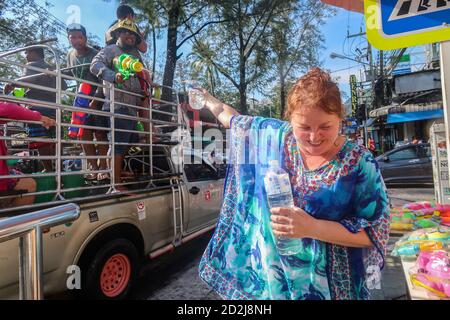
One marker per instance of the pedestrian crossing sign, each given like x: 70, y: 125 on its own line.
x: 394, y: 24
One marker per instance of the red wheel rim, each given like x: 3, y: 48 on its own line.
x: 115, y: 275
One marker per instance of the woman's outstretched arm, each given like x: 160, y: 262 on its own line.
x: 220, y: 110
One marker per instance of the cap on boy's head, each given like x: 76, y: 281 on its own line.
x: 76, y: 27
x: 123, y: 11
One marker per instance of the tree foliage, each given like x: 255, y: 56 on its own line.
x: 236, y: 48
x: 24, y: 22
x: 295, y: 40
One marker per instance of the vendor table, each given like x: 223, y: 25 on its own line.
x: 414, y: 292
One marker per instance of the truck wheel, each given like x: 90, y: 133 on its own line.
x: 112, y: 270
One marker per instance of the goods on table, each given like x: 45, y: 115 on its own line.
x: 432, y: 272
x: 418, y: 215
x: 420, y: 241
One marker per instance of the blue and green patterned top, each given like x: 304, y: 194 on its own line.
x: 241, y: 260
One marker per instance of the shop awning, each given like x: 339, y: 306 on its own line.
x: 379, y: 112
x: 414, y: 116
x: 394, y: 109
x: 352, y: 5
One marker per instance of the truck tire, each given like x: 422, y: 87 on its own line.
x: 111, y: 272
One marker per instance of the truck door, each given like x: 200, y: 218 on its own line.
x: 204, y: 194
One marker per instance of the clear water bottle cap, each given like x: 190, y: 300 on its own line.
x: 274, y: 163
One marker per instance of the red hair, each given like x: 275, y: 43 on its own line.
x: 315, y: 90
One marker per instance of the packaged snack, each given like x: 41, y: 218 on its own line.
x: 445, y: 218
x: 425, y: 223
x: 421, y: 205
x: 400, y: 226
x: 414, y: 247
x: 432, y: 272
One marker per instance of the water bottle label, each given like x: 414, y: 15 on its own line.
x: 277, y: 184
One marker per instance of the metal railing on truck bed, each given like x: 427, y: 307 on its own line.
x: 66, y: 182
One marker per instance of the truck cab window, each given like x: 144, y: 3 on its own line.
x: 200, y: 172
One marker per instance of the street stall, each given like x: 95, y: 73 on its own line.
x: 424, y: 250
x: 419, y: 290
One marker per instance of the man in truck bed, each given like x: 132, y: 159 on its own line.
x: 102, y: 66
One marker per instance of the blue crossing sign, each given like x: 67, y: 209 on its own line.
x: 393, y: 24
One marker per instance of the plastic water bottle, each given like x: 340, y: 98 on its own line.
x: 196, y: 96
x: 279, y: 194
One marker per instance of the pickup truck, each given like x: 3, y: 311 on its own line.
x: 170, y: 202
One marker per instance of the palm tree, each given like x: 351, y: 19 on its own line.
x: 202, y: 67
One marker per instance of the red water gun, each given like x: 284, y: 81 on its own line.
x: 80, y: 117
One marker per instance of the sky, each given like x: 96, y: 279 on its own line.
x: 97, y: 15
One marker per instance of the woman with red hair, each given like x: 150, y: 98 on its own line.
x: 340, y: 218
x: 27, y: 185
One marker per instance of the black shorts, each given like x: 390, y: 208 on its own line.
x: 97, y: 121
x: 124, y: 137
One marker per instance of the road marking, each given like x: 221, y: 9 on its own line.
x: 412, y: 8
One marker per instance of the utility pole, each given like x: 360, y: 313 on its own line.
x: 382, y: 67
x: 381, y: 135
x: 372, y: 88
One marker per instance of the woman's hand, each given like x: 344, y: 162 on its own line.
x: 47, y: 122
x: 212, y: 102
x: 220, y: 110
x: 292, y: 223
x: 296, y: 223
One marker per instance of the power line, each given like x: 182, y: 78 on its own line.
x: 352, y: 67
x: 11, y: 31
x: 38, y: 12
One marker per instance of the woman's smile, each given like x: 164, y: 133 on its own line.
x: 316, y: 143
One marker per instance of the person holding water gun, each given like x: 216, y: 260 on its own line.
x: 103, y: 66
x: 81, y: 54
x: 125, y: 12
